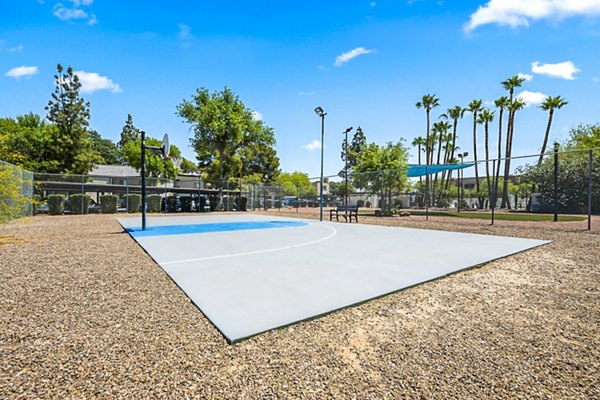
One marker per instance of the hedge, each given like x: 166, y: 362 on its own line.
x: 243, y: 204
x: 108, y: 202
x: 153, y: 202
x: 171, y: 203
x: 133, y: 202
x: 56, y: 204
x: 79, y: 203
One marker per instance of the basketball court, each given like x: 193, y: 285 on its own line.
x: 252, y: 273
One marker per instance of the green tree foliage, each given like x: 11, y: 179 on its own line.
x: 109, y: 151
x: 188, y: 167
x: 295, y: 183
x: 223, y: 128
x: 358, y: 143
x: 156, y: 166
x: 573, y: 173
x: 25, y: 141
x: 259, y: 163
x: 71, y: 148
x: 129, y: 133
x: 339, y: 188
x: 382, y: 169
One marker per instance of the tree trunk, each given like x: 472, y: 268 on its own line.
x: 546, y: 136
x: 475, y: 150
x: 452, y: 152
x: 508, y: 152
x: 487, y: 162
x: 499, y: 157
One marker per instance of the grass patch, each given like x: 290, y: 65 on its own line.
x: 502, y: 216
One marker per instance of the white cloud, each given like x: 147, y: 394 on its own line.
x: 515, y: 13
x: 564, y: 70
x: 312, y: 146
x: 22, y: 71
x: 532, y: 98
x: 527, y: 77
x: 349, y: 55
x: 595, y: 79
x: 185, y: 31
x: 257, y: 116
x: 73, y: 12
x: 92, y: 82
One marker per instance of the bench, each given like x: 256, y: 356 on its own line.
x: 345, y: 211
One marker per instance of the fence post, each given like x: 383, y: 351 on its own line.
x: 82, y: 194
x: 591, y: 160
x: 555, y: 182
x: 427, y: 192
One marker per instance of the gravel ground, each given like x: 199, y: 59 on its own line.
x: 85, y: 313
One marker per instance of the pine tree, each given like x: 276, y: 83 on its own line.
x: 71, y: 146
x: 129, y: 133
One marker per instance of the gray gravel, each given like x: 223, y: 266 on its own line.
x: 85, y: 313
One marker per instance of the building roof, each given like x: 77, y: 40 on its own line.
x: 114, y: 170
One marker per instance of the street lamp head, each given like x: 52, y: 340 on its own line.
x: 466, y: 154
x: 348, y: 130
x: 320, y: 112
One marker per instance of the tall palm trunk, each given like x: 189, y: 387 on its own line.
x: 546, y: 136
x: 499, y: 157
x: 487, y: 163
x: 508, y: 153
x: 475, y: 150
x: 452, y: 150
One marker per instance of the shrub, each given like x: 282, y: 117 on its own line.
x: 268, y: 203
x: 153, y: 202
x: 368, y: 204
x: 277, y: 204
x: 360, y: 203
x: 171, y: 202
x: 56, y: 204
x: 108, y: 202
x: 243, y: 204
x: 186, y: 203
x: 201, y: 204
x: 133, y: 202
x: 79, y: 203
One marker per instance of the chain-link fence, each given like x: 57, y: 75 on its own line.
x: 16, y: 192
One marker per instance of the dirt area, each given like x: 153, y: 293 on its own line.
x: 85, y: 313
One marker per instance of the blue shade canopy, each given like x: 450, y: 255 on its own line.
x: 415, y: 170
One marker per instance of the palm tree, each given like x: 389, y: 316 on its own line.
x: 501, y: 103
x: 418, y: 142
x: 428, y: 102
x: 441, y: 129
x: 509, y: 84
x: 474, y: 107
x: 454, y: 114
x: 485, y: 117
x: 550, y: 104
x: 514, y: 106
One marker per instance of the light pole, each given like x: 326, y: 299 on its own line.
x: 461, y: 176
x: 321, y: 114
x: 346, y: 167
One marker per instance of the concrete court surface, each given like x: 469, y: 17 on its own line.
x: 266, y: 275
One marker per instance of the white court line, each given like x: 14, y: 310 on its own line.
x: 254, y: 252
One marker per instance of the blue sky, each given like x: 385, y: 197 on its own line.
x: 365, y: 62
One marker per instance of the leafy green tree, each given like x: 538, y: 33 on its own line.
x: 188, y: 167
x: 584, y: 137
x: 156, y: 166
x: 296, y: 183
x: 223, y: 127
x: 358, y: 143
x: 382, y: 169
x: 71, y: 147
x: 501, y: 104
x: 339, y: 188
x: 259, y: 161
x: 25, y: 141
x: 106, y: 148
x: 550, y: 104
